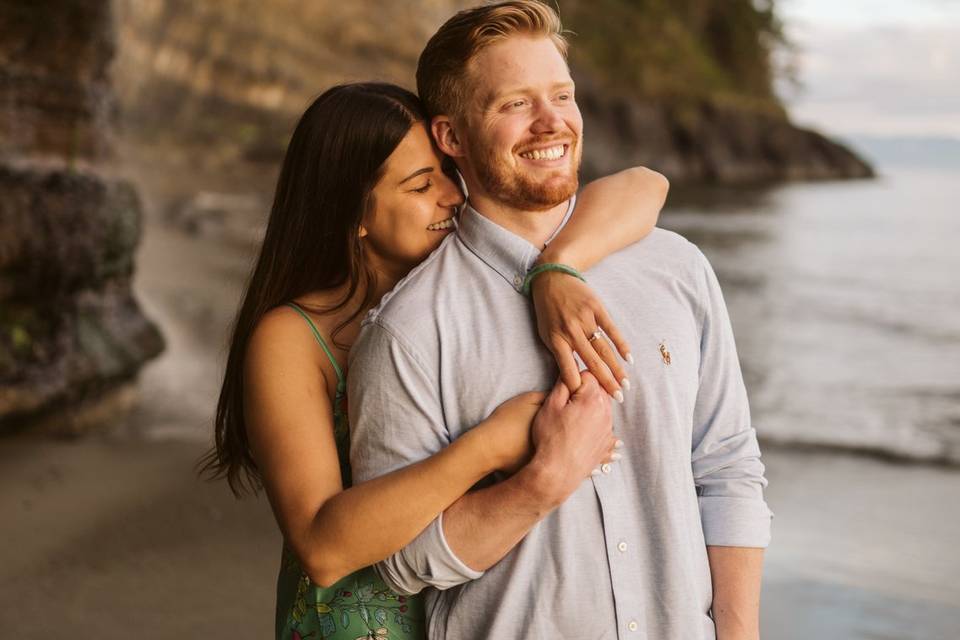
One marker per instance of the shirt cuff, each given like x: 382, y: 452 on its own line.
x: 427, y: 561
x: 453, y: 563
x: 735, y: 522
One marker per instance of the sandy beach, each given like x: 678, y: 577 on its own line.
x: 113, y: 536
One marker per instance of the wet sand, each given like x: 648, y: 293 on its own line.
x: 113, y: 536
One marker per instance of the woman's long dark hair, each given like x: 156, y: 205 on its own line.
x: 336, y: 156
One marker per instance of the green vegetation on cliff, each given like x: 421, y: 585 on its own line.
x: 718, y: 50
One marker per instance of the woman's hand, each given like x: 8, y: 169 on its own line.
x: 507, y: 431
x: 568, y: 314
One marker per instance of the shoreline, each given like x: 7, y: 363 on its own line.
x: 116, y: 534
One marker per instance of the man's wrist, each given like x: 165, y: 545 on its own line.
x: 545, y: 483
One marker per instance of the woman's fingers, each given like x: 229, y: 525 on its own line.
x: 614, y: 454
x: 598, y: 366
x: 605, y: 323
x: 604, y: 349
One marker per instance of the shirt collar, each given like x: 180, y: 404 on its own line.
x: 503, y: 251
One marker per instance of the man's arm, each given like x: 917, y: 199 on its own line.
x: 736, y: 575
x: 396, y: 420
x: 728, y: 473
x: 571, y: 435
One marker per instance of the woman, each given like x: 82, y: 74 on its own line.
x: 340, y: 235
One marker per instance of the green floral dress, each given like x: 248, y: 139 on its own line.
x: 358, y: 607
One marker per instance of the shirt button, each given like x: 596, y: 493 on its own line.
x: 622, y: 547
x: 605, y: 467
x: 633, y: 626
x: 517, y: 280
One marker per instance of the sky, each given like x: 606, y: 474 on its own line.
x: 875, y: 67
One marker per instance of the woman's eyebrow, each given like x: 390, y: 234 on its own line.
x: 416, y: 173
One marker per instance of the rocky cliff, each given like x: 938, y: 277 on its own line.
x: 684, y: 86
x: 71, y: 333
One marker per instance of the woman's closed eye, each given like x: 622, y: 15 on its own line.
x: 424, y: 188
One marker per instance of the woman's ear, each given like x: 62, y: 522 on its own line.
x: 363, y: 231
x: 446, y: 137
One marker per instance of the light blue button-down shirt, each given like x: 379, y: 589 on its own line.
x: 625, y: 556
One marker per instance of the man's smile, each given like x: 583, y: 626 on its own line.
x: 547, y: 153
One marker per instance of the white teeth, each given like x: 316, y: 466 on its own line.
x: 545, y: 154
x: 439, y: 226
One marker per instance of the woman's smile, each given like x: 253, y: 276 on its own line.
x: 442, y: 225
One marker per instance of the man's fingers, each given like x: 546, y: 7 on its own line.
x: 560, y: 394
x: 569, y: 371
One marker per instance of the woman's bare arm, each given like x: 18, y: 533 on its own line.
x: 289, y: 421
x: 612, y: 213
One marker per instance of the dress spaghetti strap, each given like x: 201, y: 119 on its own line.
x: 341, y: 381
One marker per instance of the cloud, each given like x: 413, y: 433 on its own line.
x: 870, y: 13
x: 881, y: 80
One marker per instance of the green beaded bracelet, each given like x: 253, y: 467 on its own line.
x: 548, y: 266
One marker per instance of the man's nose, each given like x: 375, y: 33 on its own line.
x: 451, y: 195
x: 547, y: 119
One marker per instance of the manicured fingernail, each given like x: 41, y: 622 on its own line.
x: 629, y: 358
x: 595, y: 472
x: 618, y: 444
x: 616, y: 456
x: 618, y: 396
x: 625, y: 383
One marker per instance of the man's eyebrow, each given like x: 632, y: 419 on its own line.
x: 416, y: 173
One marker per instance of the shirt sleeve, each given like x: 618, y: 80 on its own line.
x: 396, y: 419
x: 725, y: 454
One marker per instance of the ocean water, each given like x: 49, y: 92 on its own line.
x: 845, y: 302
x: 844, y: 296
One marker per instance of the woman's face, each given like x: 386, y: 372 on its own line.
x: 414, y: 204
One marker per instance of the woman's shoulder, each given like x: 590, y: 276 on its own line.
x: 283, y: 334
x: 284, y: 323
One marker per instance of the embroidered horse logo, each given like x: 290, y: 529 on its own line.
x: 664, y: 353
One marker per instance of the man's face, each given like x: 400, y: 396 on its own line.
x: 522, y: 138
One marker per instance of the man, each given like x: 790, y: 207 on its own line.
x: 665, y: 544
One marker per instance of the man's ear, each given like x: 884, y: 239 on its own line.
x: 446, y: 137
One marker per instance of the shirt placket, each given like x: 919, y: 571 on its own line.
x: 623, y: 557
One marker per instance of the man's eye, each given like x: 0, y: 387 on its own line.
x: 564, y: 97
x: 516, y: 104
x: 425, y: 187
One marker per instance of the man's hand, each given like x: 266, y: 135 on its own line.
x: 572, y: 435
